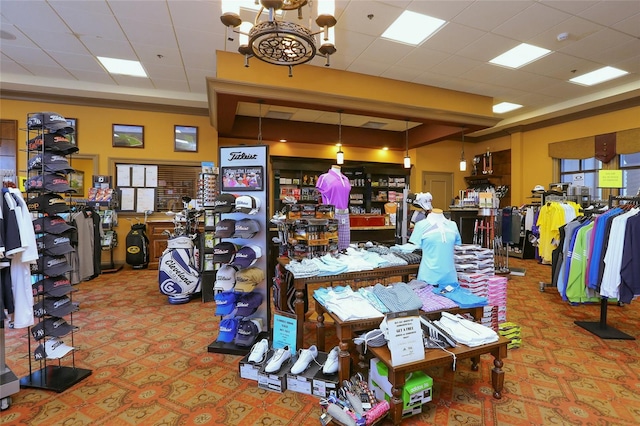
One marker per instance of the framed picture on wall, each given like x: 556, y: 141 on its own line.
x: 76, y: 181
x: 73, y: 137
x: 128, y: 136
x: 185, y: 138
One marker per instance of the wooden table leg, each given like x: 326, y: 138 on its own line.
x: 320, y: 329
x: 298, y: 305
x: 474, y: 363
x: 344, y: 362
x: 397, y: 385
x: 497, y: 374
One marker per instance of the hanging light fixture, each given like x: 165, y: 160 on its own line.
x: 280, y: 42
x: 407, y: 159
x: 340, y: 154
x: 463, y: 162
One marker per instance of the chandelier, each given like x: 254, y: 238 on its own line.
x: 277, y: 41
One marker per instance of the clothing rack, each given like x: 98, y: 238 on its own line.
x: 600, y: 328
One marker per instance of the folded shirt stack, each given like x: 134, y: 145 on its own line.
x: 466, y: 332
x: 397, y: 297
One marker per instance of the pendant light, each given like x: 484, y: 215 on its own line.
x: 463, y: 162
x: 407, y: 159
x: 340, y: 154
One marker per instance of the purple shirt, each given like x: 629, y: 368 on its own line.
x: 334, y: 188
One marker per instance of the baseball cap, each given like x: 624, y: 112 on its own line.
x: 54, y: 245
x: 51, y: 326
x: 54, y: 286
x: 225, y: 278
x: 224, y: 252
x: 52, y: 349
x: 248, y: 303
x: 228, y: 329
x: 53, y: 182
x: 50, y: 162
x: 246, y: 256
x: 248, y: 279
x: 423, y: 200
x: 225, y: 228
x: 48, y: 203
x: 51, y: 224
x: 52, y: 265
x: 51, y: 121
x: 247, y: 333
x: 247, y: 204
x: 225, y: 302
x: 52, y: 142
x: 246, y: 228
x: 56, y: 306
x: 538, y: 188
x: 224, y: 203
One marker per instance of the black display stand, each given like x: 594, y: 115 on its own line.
x: 600, y: 328
x: 54, y: 377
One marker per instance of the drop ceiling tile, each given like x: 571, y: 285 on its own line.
x: 149, y: 55
x: 487, y: 15
x: 154, y: 35
x: 556, y: 65
x: 576, y: 28
x: 530, y: 22
x: 173, y: 85
x: 49, y: 71
x: 133, y: 82
x: 21, y: 40
x: 455, y: 66
x: 352, y: 43
x: 570, y: 6
x: 141, y: 12
x: 432, y: 79
x: 157, y: 71
x: 593, y: 46
x: 356, y: 17
x: 487, y: 47
x: 389, y: 50
x: 365, y: 66
x: 120, y: 49
x: 30, y: 14
x: 452, y: 38
x: 565, y: 90
x: 485, y: 72
x: 441, y: 9
x: 194, y: 40
x: 97, y: 77
x: 78, y: 62
x: 611, y: 11
x: 422, y: 58
x: 631, y: 65
x: 631, y: 25
x: 10, y: 66
x: 92, y: 24
x: 402, y: 74
x: 619, y: 53
x: 62, y: 42
x: 28, y: 56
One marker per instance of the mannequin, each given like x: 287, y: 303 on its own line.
x: 334, y: 187
x: 437, y: 236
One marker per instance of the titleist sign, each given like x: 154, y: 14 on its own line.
x: 239, y: 155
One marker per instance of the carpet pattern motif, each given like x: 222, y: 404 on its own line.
x: 150, y: 366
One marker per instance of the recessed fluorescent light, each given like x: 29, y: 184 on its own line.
x: 385, y: 148
x: 412, y: 28
x: 505, y: 107
x: 122, y: 66
x: 598, y: 76
x: 520, y: 55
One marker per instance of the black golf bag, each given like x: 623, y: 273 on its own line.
x: 138, y: 246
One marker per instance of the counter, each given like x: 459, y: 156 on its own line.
x: 465, y: 218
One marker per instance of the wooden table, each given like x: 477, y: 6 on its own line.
x: 355, y: 279
x: 435, y: 357
x: 347, y: 330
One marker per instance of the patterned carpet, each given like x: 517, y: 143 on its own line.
x: 151, y: 367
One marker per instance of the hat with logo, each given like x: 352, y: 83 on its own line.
x: 51, y: 121
x: 538, y: 188
x: 55, y: 306
x: 228, y: 329
x: 246, y: 256
x: 53, y: 182
x: 225, y: 228
x: 423, y: 200
x: 52, y: 265
x: 51, y: 326
x: 53, y: 286
x: 247, y: 333
x: 48, y: 203
x: 246, y: 228
x: 51, y: 225
x: 247, y: 204
x: 54, y: 245
x: 248, y: 303
x: 224, y: 252
x: 52, y: 142
x: 50, y: 162
x: 225, y: 278
x: 248, y: 279
x: 51, y: 349
x: 225, y: 302
x: 224, y: 203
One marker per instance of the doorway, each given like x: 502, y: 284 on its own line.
x: 440, y: 185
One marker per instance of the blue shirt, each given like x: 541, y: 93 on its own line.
x: 437, y: 240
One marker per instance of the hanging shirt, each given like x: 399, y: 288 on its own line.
x: 437, y: 239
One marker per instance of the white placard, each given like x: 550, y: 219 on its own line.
x: 127, y: 199
x: 405, y: 339
x: 123, y: 175
x: 151, y: 175
x: 137, y: 176
x: 146, y: 200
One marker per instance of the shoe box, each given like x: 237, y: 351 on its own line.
x: 276, y: 382
x: 249, y: 370
x: 303, y: 382
x: 416, y: 391
x: 324, y: 385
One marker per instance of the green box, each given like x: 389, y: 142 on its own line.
x: 415, y: 392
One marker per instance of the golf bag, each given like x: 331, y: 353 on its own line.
x: 178, y: 273
x: 138, y: 246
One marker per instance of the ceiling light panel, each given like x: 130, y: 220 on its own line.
x: 412, y: 28
x: 122, y: 66
x: 503, y: 107
x: 598, y: 76
x: 520, y: 55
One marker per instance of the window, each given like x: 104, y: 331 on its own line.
x: 630, y: 166
x: 589, y: 167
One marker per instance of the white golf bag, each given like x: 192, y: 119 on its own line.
x: 178, y: 273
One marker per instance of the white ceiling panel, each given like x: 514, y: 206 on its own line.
x: 366, y: 66
x: 455, y: 66
x: 137, y: 82
x: 400, y: 73
x: 441, y: 9
x: 31, y: 14
x: 630, y: 25
x: 530, y: 22
x: 591, y: 47
x: 422, y: 59
x: 77, y: 62
x: 9, y: 66
x: 28, y: 55
x: 197, y: 15
x: 488, y: 47
x: 50, y: 71
x: 570, y: 6
x: 21, y: 40
x: 149, y: 34
x: 620, y: 53
x: 453, y: 37
x: 389, y: 50
x: 173, y: 85
x: 167, y: 71
x: 62, y: 42
x: 487, y: 15
x: 110, y: 48
x: 356, y: 17
x: 140, y: 12
x: 611, y: 11
x: 576, y: 29
x: 97, y: 24
x: 352, y: 44
x: 98, y: 77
